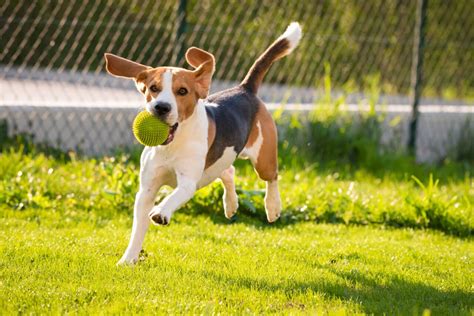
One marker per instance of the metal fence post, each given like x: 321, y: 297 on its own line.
x: 180, y: 32
x: 417, y: 71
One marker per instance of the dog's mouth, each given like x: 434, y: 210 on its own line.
x: 171, y: 133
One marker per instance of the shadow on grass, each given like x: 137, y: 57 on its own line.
x: 393, y: 295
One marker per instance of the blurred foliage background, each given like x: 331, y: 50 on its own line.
x: 358, y: 39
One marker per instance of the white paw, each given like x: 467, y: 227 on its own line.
x: 127, y: 261
x: 159, y: 216
x: 231, y: 204
x: 273, y: 208
x: 272, y: 201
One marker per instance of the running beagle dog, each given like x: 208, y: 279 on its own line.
x: 207, y: 133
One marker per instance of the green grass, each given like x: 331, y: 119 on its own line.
x: 66, y: 221
x: 201, y: 266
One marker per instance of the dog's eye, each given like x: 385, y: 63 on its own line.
x: 182, y: 91
x: 154, y: 88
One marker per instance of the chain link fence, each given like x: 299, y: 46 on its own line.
x: 53, y: 83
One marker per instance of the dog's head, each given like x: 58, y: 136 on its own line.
x: 171, y: 93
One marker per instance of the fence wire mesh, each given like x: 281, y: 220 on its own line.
x: 52, y: 68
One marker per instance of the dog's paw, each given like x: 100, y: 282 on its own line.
x: 129, y: 259
x: 231, y: 204
x: 273, y: 217
x: 273, y: 209
x: 159, y: 217
x: 272, y: 202
x: 126, y: 261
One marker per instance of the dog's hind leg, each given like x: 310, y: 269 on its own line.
x: 272, y: 201
x: 267, y: 169
x: 262, y: 149
x: 231, y: 202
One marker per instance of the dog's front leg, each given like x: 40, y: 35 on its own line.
x: 151, y: 179
x: 143, y: 203
x: 186, y: 186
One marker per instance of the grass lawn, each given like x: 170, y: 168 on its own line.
x: 65, y: 223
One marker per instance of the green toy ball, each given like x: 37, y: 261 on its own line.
x: 149, y: 130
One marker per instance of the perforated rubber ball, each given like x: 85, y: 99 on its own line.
x: 149, y: 130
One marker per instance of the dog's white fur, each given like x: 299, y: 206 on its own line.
x: 231, y: 201
x: 293, y: 34
x: 180, y: 164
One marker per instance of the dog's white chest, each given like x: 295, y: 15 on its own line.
x: 186, y: 154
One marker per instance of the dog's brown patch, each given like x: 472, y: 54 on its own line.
x: 145, y: 79
x: 253, y: 133
x: 186, y: 103
x: 266, y: 162
x: 122, y: 67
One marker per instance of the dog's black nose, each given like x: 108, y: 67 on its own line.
x: 162, y: 108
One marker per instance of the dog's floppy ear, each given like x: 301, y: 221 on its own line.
x: 205, y: 65
x: 196, y: 56
x: 122, y: 67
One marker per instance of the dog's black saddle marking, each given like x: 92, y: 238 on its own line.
x: 234, y: 114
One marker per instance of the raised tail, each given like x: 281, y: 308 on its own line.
x: 280, y: 48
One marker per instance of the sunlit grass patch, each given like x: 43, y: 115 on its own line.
x: 350, y: 240
x: 198, y: 265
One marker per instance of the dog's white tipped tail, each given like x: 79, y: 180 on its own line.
x: 280, y: 48
x: 293, y: 34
